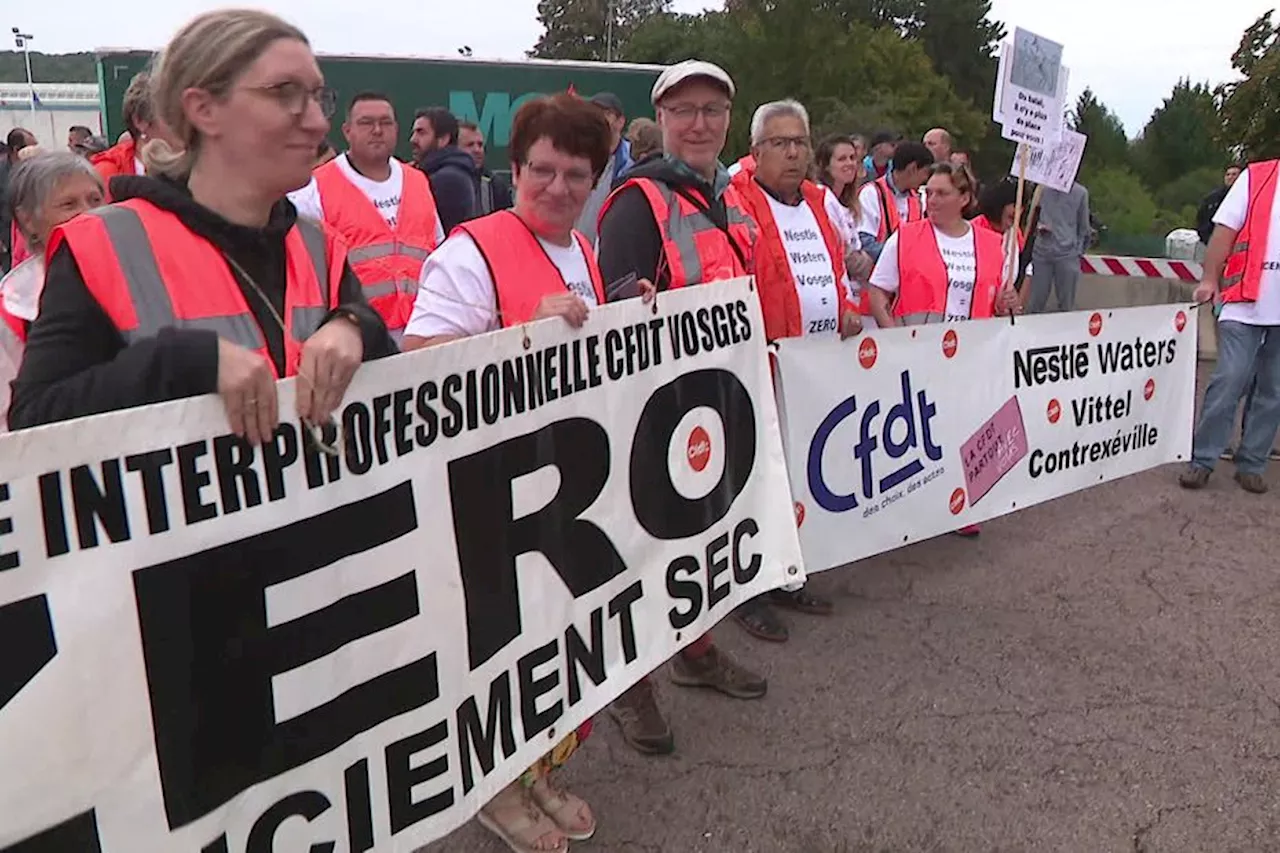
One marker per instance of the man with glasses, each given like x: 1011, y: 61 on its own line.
x: 381, y: 207
x: 714, y: 240
x: 801, y: 280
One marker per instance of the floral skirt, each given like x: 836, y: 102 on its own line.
x: 557, y: 756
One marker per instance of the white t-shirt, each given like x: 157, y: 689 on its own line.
x: 138, y: 168
x: 1231, y: 214
x: 385, y: 195
x: 869, y: 201
x: 810, y: 266
x: 456, y: 295
x: 962, y: 271
x: 842, y: 218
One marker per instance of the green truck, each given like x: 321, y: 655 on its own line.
x: 483, y: 91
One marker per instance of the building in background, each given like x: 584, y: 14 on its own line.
x: 59, y: 106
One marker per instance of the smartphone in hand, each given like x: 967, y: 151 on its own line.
x: 627, y: 287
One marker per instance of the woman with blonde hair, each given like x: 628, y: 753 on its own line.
x: 202, y: 279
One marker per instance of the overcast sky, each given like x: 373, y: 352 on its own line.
x: 1127, y: 52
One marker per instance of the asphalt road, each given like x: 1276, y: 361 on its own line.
x: 1101, y: 673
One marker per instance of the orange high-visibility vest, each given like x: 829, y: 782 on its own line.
x: 922, y: 274
x: 387, y: 261
x: 984, y: 224
x: 694, y: 248
x: 890, y: 221
x: 1242, y: 278
x: 150, y: 272
x: 522, y: 271
x: 779, y: 300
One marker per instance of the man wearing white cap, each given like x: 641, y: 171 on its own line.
x: 676, y: 221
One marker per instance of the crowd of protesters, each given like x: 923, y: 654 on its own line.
x: 239, y: 247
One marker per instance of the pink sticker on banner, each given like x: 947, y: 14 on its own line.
x: 994, y: 450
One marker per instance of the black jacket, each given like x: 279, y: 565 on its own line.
x: 76, y: 362
x: 629, y: 239
x: 454, y: 182
x: 499, y: 192
x: 1204, y: 215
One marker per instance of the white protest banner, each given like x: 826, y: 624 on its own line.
x: 211, y: 647
x: 909, y: 433
x: 1056, y: 165
x: 1032, y: 90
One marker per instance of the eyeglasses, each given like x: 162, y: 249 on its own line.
x: 387, y: 124
x: 543, y: 174
x: 293, y: 96
x: 783, y: 143
x: 689, y: 112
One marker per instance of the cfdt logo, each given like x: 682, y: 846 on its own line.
x: 1180, y: 321
x: 868, y: 352
x: 1095, y: 324
x: 950, y: 342
x: 699, y: 449
x: 1054, y: 411
x: 957, y: 502
x: 891, y: 447
x: 1149, y: 390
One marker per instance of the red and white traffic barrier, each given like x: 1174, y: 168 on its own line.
x: 1140, y: 267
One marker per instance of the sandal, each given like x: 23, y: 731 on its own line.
x: 759, y: 620
x: 570, y: 813
x: 514, y: 817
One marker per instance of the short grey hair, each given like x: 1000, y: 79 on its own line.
x: 33, y: 180
x: 772, y: 110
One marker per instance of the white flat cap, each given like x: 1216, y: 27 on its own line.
x: 690, y: 68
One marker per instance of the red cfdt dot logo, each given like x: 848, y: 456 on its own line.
x: 950, y: 341
x: 699, y: 449
x: 1180, y: 321
x: 1149, y: 390
x: 868, y: 352
x: 1054, y: 412
x: 957, y: 502
x: 799, y: 514
x: 1095, y: 324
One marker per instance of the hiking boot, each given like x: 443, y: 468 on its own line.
x: 802, y: 601
x: 641, y: 722
x: 716, y: 670
x: 514, y: 817
x: 569, y: 811
x: 1274, y: 455
x: 969, y: 531
x: 759, y: 620
x: 1228, y: 455
x: 1194, y: 477
x: 1251, y: 483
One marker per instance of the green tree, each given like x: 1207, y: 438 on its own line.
x: 864, y: 78
x: 1250, y: 107
x: 594, y: 30
x: 1108, y: 147
x: 961, y: 39
x: 1181, y: 137
x: 48, y: 67
x: 1120, y: 201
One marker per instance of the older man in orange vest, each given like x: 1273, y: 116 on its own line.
x: 800, y: 278
x: 677, y: 221
x: 1242, y: 272
x: 382, y: 208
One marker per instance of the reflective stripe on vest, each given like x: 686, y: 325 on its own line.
x: 922, y: 274
x: 522, y: 271
x: 388, y: 261
x: 1242, y: 277
x: 695, y: 249
x: 889, y: 209
x: 122, y: 249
